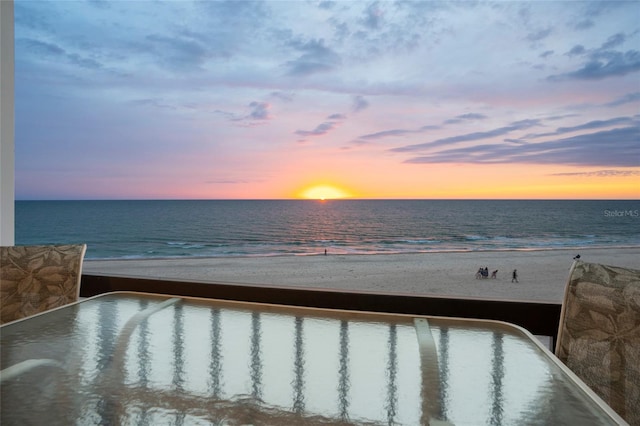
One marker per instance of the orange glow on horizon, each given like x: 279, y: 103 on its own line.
x: 323, y: 192
x: 453, y: 181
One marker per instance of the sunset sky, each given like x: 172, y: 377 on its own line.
x: 294, y: 99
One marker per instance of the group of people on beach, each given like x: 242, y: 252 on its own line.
x: 484, y: 273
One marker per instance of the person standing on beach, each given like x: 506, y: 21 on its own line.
x: 514, y: 276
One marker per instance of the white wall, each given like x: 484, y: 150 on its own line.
x: 7, y: 123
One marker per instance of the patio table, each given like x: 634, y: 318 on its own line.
x: 148, y: 359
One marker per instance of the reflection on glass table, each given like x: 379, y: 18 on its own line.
x: 142, y: 359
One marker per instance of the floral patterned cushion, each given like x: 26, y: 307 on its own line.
x: 599, y: 334
x: 37, y: 278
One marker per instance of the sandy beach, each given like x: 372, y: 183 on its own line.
x: 542, y: 275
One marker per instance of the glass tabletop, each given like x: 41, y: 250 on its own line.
x: 142, y: 359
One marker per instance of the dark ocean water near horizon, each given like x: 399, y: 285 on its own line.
x: 137, y: 229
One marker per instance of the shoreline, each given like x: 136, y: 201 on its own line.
x: 390, y: 253
x: 542, y: 273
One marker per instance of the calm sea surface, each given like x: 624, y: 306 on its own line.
x: 147, y: 229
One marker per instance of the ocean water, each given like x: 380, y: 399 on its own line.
x: 214, y: 228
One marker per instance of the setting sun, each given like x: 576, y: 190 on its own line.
x: 323, y: 192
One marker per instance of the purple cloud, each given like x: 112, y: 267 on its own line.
x: 517, y: 125
x: 602, y: 62
x: 259, y: 110
x: 359, y: 103
x: 316, y: 57
x: 321, y: 129
x: 608, y: 148
x: 626, y: 99
x: 601, y: 173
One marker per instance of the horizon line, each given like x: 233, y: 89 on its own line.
x: 328, y: 199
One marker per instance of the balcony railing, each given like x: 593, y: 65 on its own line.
x: 539, y: 318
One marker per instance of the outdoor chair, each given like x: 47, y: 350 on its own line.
x: 599, y: 334
x: 34, y: 279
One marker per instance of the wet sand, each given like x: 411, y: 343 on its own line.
x: 542, y: 275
